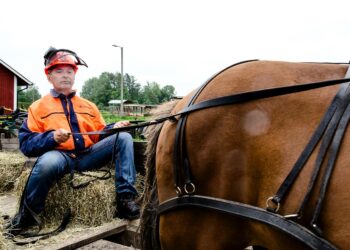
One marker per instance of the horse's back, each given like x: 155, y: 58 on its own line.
x: 243, y: 152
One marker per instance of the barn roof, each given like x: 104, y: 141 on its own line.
x: 117, y: 102
x: 22, y: 81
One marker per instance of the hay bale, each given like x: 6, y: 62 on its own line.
x: 90, y: 206
x: 11, y: 165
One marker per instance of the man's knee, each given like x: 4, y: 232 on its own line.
x: 125, y: 138
x: 51, y: 163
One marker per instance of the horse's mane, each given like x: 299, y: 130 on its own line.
x: 149, y: 218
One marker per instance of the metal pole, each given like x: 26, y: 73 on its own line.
x: 121, y: 84
x: 121, y: 80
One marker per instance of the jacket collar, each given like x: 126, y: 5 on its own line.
x: 55, y: 94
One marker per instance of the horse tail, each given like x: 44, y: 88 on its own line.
x: 149, y: 218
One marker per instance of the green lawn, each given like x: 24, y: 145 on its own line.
x: 110, y: 118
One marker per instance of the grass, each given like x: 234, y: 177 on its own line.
x: 111, y: 118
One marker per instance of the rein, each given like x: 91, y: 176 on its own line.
x: 221, y: 101
x: 20, y: 239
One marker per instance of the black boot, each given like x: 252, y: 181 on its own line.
x: 127, y: 207
x: 21, y: 221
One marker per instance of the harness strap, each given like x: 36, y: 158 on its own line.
x: 327, y: 139
x: 36, y: 236
x: 331, y: 129
x: 286, y: 185
x: 106, y: 175
x: 181, y: 164
x: 226, y: 100
x: 72, y: 170
x: 334, y: 150
x: 260, y: 94
x: 180, y: 157
x: 247, y: 211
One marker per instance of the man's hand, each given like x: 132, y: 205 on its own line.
x: 61, y: 135
x: 121, y: 124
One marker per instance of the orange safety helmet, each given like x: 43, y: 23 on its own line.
x: 55, y: 57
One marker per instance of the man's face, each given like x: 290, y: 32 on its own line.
x: 62, y: 78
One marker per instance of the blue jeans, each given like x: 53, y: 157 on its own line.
x: 53, y: 165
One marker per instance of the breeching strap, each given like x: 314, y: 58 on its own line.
x: 243, y: 210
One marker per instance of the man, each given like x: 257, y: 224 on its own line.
x: 54, y: 132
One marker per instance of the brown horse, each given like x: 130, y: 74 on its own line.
x: 243, y: 152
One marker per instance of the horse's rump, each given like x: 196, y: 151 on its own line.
x: 243, y: 152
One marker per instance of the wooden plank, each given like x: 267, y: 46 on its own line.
x: 130, y: 237
x: 88, y: 236
x: 106, y: 245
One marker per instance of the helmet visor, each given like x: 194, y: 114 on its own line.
x: 62, y: 56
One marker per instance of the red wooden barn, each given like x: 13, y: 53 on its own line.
x: 10, y: 79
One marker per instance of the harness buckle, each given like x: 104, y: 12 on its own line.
x: 272, y: 205
x: 178, y: 191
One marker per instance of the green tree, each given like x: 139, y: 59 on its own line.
x: 88, y: 88
x: 28, y: 96
x: 99, y: 90
x: 107, y: 87
x: 166, y: 93
x: 151, y: 93
x: 133, y: 89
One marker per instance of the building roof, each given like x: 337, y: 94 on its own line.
x: 117, y: 102
x: 22, y: 81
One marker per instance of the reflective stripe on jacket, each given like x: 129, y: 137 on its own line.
x: 55, y: 111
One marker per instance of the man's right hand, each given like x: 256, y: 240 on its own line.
x: 61, y: 135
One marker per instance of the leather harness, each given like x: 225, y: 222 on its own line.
x: 330, y: 131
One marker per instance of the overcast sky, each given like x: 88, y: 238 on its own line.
x: 181, y: 43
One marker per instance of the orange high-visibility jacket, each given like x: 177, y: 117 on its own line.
x: 55, y: 111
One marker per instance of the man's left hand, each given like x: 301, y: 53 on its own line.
x: 121, y: 124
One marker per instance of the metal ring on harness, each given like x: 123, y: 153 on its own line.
x: 189, y: 188
x: 275, y: 207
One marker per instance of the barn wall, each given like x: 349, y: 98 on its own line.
x: 6, y: 88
